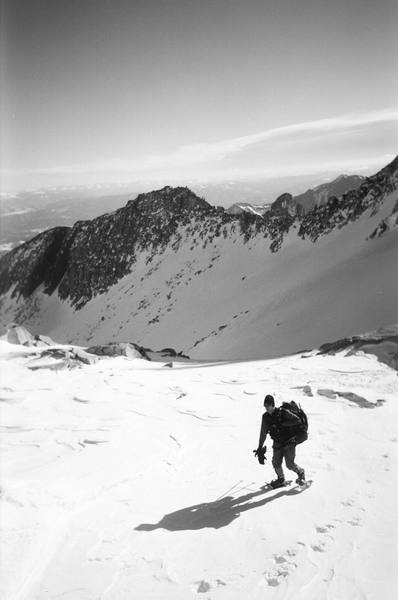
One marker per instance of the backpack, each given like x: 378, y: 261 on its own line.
x: 301, y: 433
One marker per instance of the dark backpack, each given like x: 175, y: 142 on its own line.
x: 301, y: 434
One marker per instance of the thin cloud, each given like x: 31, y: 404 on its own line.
x: 202, y: 153
x: 344, y: 123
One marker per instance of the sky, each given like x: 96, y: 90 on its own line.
x: 118, y: 90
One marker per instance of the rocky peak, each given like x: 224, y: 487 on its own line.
x: 285, y: 204
x: 319, y: 195
x: 90, y: 257
x: 169, y: 199
x: 390, y: 170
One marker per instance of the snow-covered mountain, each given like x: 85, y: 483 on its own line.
x: 25, y: 214
x: 168, y: 269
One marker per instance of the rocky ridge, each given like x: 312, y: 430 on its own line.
x: 338, y: 212
x: 85, y: 260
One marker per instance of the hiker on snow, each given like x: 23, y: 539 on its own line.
x: 286, y: 430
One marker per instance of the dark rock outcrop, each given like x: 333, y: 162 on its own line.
x: 119, y: 349
x: 17, y: 334
x: 382, y: 343
x: 60, y: 358
x: 90, y: 257
x: 34, y: 263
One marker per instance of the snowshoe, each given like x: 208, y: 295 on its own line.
x: 277, y: 483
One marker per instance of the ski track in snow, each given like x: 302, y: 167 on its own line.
x: 105, y: 491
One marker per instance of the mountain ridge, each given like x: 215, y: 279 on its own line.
x: 319, y: 195
x: 169, y: 254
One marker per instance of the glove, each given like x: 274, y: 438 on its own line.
x: 260, y: 453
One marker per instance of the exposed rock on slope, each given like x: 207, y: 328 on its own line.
x: 16, y: 334
x: 89, y: 258
x: 119, y: 349
x: 338, y: 212
x: 383, y: 343
x: 387, y: 224
x: 169, y: 269
x: 61, y: 358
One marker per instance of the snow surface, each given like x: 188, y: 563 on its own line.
x: 126, y: 479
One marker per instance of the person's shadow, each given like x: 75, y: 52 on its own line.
x: 219, y: 513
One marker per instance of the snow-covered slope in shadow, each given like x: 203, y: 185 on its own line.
x: 127, y: 477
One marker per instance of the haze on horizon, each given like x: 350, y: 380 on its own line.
x: 177, y: 90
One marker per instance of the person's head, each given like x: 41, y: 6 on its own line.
x: 269, y: 403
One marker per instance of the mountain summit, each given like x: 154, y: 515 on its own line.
x: 319, y: 195
x: 169, y: 269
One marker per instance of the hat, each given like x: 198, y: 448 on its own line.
x: 269, y: 400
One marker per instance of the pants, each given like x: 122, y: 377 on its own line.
x: 288, y: 453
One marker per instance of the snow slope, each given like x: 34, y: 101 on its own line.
x: 230, y: 299
x: 126, y: 479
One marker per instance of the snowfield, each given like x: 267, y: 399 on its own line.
x: 127, y: 479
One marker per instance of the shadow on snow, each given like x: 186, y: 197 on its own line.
x: 217, y: 514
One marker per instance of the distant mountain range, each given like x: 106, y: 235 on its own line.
x: 169, y: 269
x: 305, y: 202
x: 319, y: 195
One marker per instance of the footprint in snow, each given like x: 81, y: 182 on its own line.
x: 284, y: 567
x: 348, y: 502
x: 324, y: 528
x: 320, y: 547
x: 355, y: 522
x: 203, y: 586
x: 273, y: 581
x: 279, y: 559
x: 275, y: 578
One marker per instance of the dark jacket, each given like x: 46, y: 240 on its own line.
x: 281, y: 426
